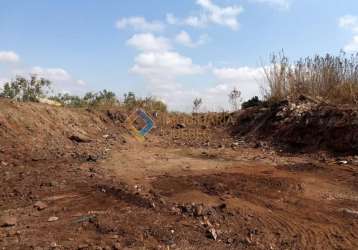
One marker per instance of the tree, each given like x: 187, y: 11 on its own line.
x: 253, y: 102
x: 103, y: 97
x: 235, y: 99
x: 25, y: 90
x: 196, y: 104
x: 130, y: 100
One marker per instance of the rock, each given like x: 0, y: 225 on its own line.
x: 229, y: 240
x: 79, y: 138
x: 40, y: 205
x: 92, y: 158
x: 53, y: 245
x: 105, y: 136
x: 117, y: 246
x: 180, y: 125
x: 212, y: 233
x: 83, y: 246
x: 53, y: 184
x: 198, y: 210
x: 8, y: 221
x: 53, y: 218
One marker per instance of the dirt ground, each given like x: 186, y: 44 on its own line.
x: 169, y: 192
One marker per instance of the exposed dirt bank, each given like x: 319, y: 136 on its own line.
x: 75, y: 179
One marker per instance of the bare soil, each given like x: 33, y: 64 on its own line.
x: 109, y: 191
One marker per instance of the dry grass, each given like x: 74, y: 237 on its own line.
x: 330, y: 79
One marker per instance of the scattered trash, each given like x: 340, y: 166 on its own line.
x: 350, y: 212
x: 212, y: 233
x: 342, y: 162
x: 180, y: 126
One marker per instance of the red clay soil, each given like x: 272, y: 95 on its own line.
x: 101, y: 189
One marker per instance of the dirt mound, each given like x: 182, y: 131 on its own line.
x: 306, y: 126
x: 38, y: 131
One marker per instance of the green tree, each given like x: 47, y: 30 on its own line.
x: 26, y: 90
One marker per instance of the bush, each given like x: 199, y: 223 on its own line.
x: 331, y: 79
x: 253, y: 102
x: 26, y: 90
x: 102, y: 98
x: 149, y: 104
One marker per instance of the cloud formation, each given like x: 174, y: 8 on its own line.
x: 210, y: 14
x: 140, y: 24
x: 149, y: 42
x: 351, y: 23
x: 282, y: 4
x: 9, y: 57
x: 185, y: 39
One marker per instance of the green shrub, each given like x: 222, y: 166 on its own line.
x: 26, y: 90
x: 253, y: 102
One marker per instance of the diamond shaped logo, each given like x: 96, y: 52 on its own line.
x: 139, y: 134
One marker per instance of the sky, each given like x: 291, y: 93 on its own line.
x: 172, y: 50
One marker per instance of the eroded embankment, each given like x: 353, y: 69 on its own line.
x: 303, y: 127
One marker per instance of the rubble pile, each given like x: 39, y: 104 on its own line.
x: 304, y: 126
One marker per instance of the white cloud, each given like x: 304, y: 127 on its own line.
x: 185, y: 39
x: 149, y: 42
x: 237, y: 74
x: 171, y: 19
x: 211, y: 14
x: 140, y: 24
x: 53, y: 74
x: 81, y: 82
x: 3, y: 80
x: 245, y: 79
x: 8, y: 57
x: 164, y: 65
x: 349, y: 22
x: 352, y: 46
x: 282, y: 4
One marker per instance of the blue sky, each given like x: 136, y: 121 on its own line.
x: 174, y: 50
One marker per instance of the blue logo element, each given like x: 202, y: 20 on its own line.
x: 149, y: 124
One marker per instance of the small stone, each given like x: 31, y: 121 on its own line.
x: 53, y: 245
x: 230, y: 240
x: 117, y: 246
x: 8, y: 221
x: 53, y: 218
x: 53, y: 184
x: 198, y: 211
x: 40, y: 205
